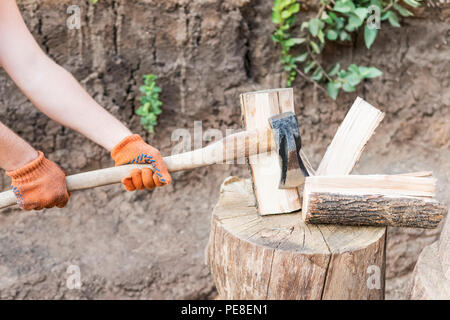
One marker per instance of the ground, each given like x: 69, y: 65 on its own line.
x: 206, y: 52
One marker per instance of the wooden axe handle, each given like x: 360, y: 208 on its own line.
x: 232, y: 147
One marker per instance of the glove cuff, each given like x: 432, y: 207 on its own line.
x: 125, y: 143
x: 31, y: 170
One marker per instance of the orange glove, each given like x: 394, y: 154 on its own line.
x: 39, y: 184
x: 133, y: 150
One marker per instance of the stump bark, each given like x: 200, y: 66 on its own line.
x: 281, y: 257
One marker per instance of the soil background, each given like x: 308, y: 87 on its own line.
x: 150, y: 245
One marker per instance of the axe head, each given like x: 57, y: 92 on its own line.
x: 288, y: 142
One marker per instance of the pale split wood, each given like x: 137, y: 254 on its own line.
x: 257, y: 108
x: 280, y: 257
x: 373, y: 184
x: 418, y: 174
x: 350, y: 139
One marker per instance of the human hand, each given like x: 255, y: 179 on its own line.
x: 133, y: 150
x: 39, y: 184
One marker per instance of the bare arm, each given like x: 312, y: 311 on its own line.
x: 14, y: 151
x: 50, y: 87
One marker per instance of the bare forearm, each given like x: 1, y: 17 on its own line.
x: 51, y: 88
x: 56, y: 93
x: 14, y: 151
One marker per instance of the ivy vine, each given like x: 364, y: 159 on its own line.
x: 336, y: 20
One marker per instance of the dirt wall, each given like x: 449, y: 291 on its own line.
x: 206, y: 52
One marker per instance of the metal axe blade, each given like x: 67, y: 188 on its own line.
x: 288, y: 143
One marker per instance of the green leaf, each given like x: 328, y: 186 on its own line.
x: 309, y: 66
x: 354, y: 22
x: 361, y: 13
x: 332, y: 35
x: 413, y: 3
x: 294, y: 41
x: 314, y: 26
x: 321, y: 36
x: 344, y: 36
x: 402, y: 11
x: 293, y: 9
x: 347, y: 87
x: 317, y: 75
x: 340, y: 22
x: 333, y: 71
x: 353, y: 79
x: 393, y: 19
x: 370, y: 72
x: 376, y: 3
x: 370, y: 34
x: 304, y: 25
x: 315, y: 47
x: 302, y: 57
x: 353, y: 68
x: 333, y: 89
x: 344, y: 6
x: 285, y: 14
x: 325, y: 17
x: 276, y: 17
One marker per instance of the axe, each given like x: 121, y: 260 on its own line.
x: 283, y: 137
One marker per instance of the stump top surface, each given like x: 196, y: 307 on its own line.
x: 236, y: 212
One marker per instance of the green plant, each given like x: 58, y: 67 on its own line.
x: 94, y: 1
x: 150, y: 107
x: 336, y: 20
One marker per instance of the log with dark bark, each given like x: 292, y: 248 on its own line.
x: 372, y: 200
x: 373, y: 210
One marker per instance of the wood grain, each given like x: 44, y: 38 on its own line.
x: 350, y: 139
x: 280, y: 257
x: 257, y: 108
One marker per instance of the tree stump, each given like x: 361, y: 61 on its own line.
x: 280, y: 257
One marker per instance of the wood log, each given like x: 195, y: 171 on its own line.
x: 350, y: 139
x: 257, y: 108
x: 431, y: 275
x: 281, y: 257
x: 372, y: 200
